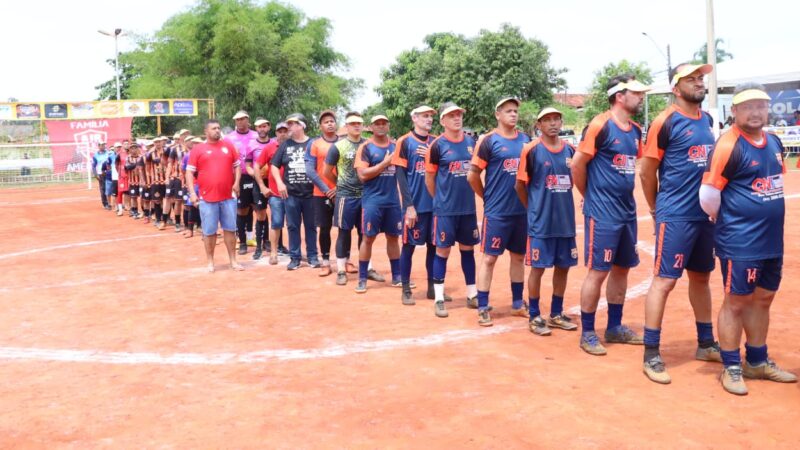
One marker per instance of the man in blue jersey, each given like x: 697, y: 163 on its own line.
x: 742, y: 191
x: 603, y: 170
x: 380, y: 202
x: 98, y: 159
x: 504, y: 220
x: 417, y: 203
x: 678, y: 143
x: 324, y: 189
x: 544, y: 186
x: 454, y: 220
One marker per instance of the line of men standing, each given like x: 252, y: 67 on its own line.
x: 421, y: 189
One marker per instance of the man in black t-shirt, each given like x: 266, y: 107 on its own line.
x: 296, y: 189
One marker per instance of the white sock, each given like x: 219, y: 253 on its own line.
x: 249, y: 235
x: 370, y: 265
x: 438, y: 290
x: 472, y: 291
x: 341, y: 264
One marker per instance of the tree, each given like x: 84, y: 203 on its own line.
x: 473, y: 72
x: 701, y: 55
x: 107, y: 90
x: 270, y: 60
x: 598, y: 99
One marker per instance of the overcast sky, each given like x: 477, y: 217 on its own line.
x: 52, y: 51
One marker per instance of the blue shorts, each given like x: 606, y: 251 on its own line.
x: 347, y: 213
x: 447, y: 230
x: 607, y: 244
x: 420, y: 233
x: 548, y: 252
x: 742, y: 277
x: 381, y: 219
x: 684, y: 245
x: 277, y: 212
x: 222, y: 213
x: 502, y: 233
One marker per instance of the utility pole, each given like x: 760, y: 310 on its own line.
x: 711, y: 49
x: 117, y: 33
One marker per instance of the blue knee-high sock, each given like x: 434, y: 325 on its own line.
x: 705, y: 334
x: 483, y: 299
x: 439, y: 268
x: 395, y: 267
x: 652, y: 337
x: 755, y: 355
x: 614, y: 316
x: 516, y: 295
x: 533, y: 307
x: 406, y: 254
x: 431, y: 252
x: 363, y: 268
x: 587, y: 322
x: 468, y: 266
x: 556, y: 306
x: 731, y: 358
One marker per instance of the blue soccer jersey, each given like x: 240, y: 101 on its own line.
x: 751, y: 214
x: 546, y: 172
x: 450, y: 162
x: 410, y: 154
x: 380, y: 191
x: 682, y: 143
x: 610, y: 176
x: 499, y: 156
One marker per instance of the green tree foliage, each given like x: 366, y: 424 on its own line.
x: 270, y: 60
x: 473, y: 72
x: 598, y: 100
x: 701, y: 55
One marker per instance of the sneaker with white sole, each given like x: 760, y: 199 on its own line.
x: 522, y: 311
x: 563, y: 322
x: 538, y: 326
x: 768, y: 370
x: 590, y: 343
x: 484, y: 318
x: 439, y: 309
x: 732, y: 381
x: 709, y: 353
x: 623, y: 335
x: 656, y: 371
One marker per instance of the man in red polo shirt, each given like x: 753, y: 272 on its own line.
x: 216, y: 163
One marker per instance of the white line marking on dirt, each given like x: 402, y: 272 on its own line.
x: 78, y: 244
x: 264, y: 356
x: 51, y: 201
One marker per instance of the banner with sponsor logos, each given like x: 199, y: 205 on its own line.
x: 789, y: 136
x: 86, y: 134
x: 108, y: 109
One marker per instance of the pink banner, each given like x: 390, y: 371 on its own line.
x: 84, y: 134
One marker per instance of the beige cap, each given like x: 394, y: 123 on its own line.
x: 354, y: 119
x: 260, y: 122
x: 449, y: 107
x: 241, y: 115
x: 633, y: 86
x: 750, y: 94
x: 377, y: 118
x: 546, y: 111
x: 688, y: 69
x: 422, y: 109
x: 504, y: 100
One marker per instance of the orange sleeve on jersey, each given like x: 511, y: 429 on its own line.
x: 358, y: 163
x: 476, y: 158
x: 722, y: 154
x: 640, y: 146
x: 398, y: 159
x: 522, y: 170
x: 588, y: 144
x: 429, y: 166
x: 651, y: 148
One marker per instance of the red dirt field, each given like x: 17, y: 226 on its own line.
x: 112, y: 335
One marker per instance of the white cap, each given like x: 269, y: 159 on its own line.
x: 546, y: 111
x: 241, y: 115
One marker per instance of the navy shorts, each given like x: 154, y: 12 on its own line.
x: 502, y: 233
x: 381, y: 219
x: 742, y: 277
x: 133, y: 191
x: 347, y: 213
x: 548, y: 252
x: 323, y: 212
x: 607, y: 244
x: 684, y: 245
x: 420, y: 233
x: 157, y: 191
x: 175, y: 189
x: 447, y: 230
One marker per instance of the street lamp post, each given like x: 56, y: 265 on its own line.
x: 667, y: 56
x: 116, y: 34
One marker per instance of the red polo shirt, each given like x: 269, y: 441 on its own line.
x: 264, y: 161
x: 214, y: 165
